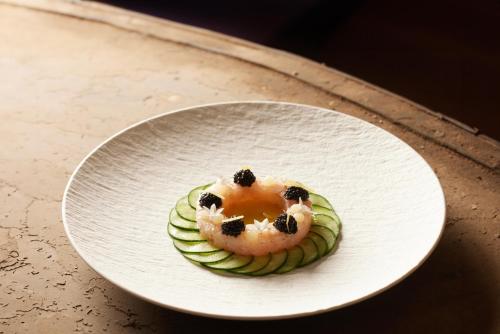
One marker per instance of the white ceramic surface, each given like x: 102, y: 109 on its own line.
x: 117, y: 202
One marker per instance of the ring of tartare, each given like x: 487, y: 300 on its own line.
x: 284, y: 229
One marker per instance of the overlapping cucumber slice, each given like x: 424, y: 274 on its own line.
x: 294, y: 258
x: 319, y: 210
x: 180, y: 222
x: 311, y: 252
x: 277, y: 260
x: 258, y: 263
x: 194, y: 195
x: 320, y: 241
x: 319, y: 200
x: 231, y: 263
x: 184, y: 210
x: 327, y: 222
x: 184, y: 235
x: 327, y: 237
x: 194, y: 247
x: 209, y: 257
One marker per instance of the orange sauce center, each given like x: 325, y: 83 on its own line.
x: 254, y: 204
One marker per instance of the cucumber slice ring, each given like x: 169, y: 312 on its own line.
x: 319, y: 242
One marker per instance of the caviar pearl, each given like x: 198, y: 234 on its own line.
x: 286, y: 224
x: 296, y: 193
x: 207, y: 199
x: 244, y: 178
x: 233, y: 226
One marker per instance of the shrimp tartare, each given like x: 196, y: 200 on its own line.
x: 251, y: 216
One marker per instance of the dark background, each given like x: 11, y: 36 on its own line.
x: 444, y: 54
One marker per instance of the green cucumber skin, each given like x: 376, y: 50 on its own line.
x: 327, y: 234
x: 320, y: 241
x: 211, y: 257
x: 231, y: 263
x: 327, y: 222
x: 185, y: 210
x: 184, y: 235
x: 196, y: 247
x: 308, y: 259
x: 277, y: 261
x: 263, y: 261
x: 182, y: 223
x: 319, y: 210
x: 294, y: 258
x: 319, y: 200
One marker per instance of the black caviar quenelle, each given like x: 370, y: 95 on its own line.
x: 233, y: 226
x: 207, y: 199
x: 294, y: 193
x: 286, y: 224
x: 244, y: 178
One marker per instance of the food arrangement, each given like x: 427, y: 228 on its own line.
x: 253, y: 226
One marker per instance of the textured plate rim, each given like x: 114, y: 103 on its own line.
x: 413, y: 268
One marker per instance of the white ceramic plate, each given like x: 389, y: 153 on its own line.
x: 117, y: 202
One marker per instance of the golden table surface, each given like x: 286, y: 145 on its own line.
x: 74, y: 73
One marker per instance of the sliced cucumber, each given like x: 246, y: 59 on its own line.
x: 182, y: 223
x: 194, y: 195
x: 208, y: 257
x: 320, y: 201
x: 194, y: 247
x: 232, y: 262
x: 327, y: 235
x: 310, y: 251
x: 184, y: 235
x: 277, y: 260
x: 319, y: 210
x: 257, y: 263
x: 185, y: 210
x: 319, y: 241
x: 184, y: 231
x: 328, y: 222
x: 295, y: 256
